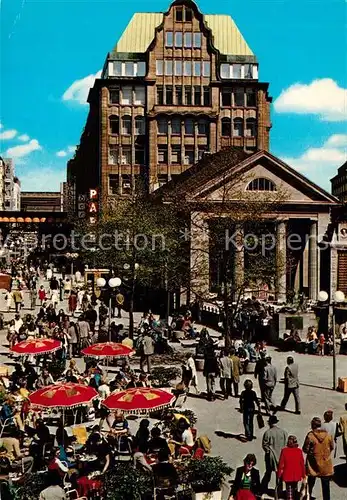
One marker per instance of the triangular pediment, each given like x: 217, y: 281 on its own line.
x: 231, y: 183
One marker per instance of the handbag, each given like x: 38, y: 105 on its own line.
x: 260, y: 421
x: 304, y: 493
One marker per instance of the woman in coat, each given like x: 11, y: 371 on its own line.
x: 72, y: 303
x: 291, y: 467
x: 247, y: 480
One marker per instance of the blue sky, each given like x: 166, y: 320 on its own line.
x: 47, y: 45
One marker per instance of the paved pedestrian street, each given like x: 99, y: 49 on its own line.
x: 222, y: 421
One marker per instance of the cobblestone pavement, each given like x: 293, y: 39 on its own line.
x: 223, y: 416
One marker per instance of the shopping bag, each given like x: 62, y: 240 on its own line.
x: 304, y: 493
x: 260, y: 420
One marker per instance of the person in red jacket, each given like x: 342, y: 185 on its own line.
x: 291, y: 467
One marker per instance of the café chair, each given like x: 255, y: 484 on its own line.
x: 73, y: 495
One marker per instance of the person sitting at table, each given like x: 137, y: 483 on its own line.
x: 117, y: 422
x: 17, y: 375
x: 134, y: 379
x: 98, y: 446
x: 54, y: 491
x: 12, y: 414
x: 142, y: 436
x: 118, y: 383
x: 61, y: 435
x: 56, y: 464
x: 182, y: 439
x: 70, y: 377
x: 104, y: 388
x: 45, y: 379
x: 30, y: 375
x: 164, y: 472
x: 11, y: 447
x: 156, y: 443
x: 143, y: 381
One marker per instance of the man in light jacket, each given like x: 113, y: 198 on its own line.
x: 270, y: 379
x: 274, y: 440
x: 291, y: 384
x: 147, y: 351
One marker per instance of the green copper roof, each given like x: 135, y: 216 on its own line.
x: 141, y: 30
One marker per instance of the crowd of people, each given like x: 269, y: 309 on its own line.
x: 27, y: 443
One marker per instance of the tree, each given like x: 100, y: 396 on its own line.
x: 138, y: 238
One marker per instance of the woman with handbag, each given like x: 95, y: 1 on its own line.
x: 291, y: 467
x: 248, y: 401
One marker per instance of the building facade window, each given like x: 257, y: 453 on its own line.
x: 178, y: 68
x: 129, y: 68
x: 179, y: 95
x: 168, y: 68
x: 126, y: 156
x: 202, y: 127
x: 169, y: 39
x: 126, y: 125
x: 114, y: 124
x: 168, y: 95
x: 197, y: 68
x: 239, y: 97
x: 197, y: 96
x: 238, y: 127
x: 179, y: 14
x: 127, y: 96
x: 117, y: 68
x: 113, y: 184
x: 159, y: 67
x: 250, y: 127
x: 178, y: 39
x: 114, y: 96
x: 188, y: 95
x: 162, y: 154
x: 139, y: 156
x: 201, y: 152
x: 187, y: 68
x: 162, y: 126
x: 225, y: 71
x: 237, y: 68
x: 188, y: 126
x: 140, y: 68
x: 160, y: 95
x: 140, y: 96
x: 176, y: 126
x: 207, y: 96
x: 113, y: 154
x: 187, y: 39
x: 226, y: 97
x: 206, y: 68
x: 188, y: 15
x: 139, y: 125
x: 261, y: 184
x: 251, y: 99
x: 197, y: 40
x: 248, y: 71
x: 175, y: 154
x: 126, y: 184
x: 188, y: 155
x: 226, y: 127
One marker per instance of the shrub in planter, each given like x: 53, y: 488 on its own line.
x: 125, y: 482
x: 207, y: 474
x: 32, y: 487
x: 162, y: 376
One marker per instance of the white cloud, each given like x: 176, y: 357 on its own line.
x: 337, y: 140
x: 1, y: 125
x: 322, y: 97
x: 61, y: 153
x: 24, y: 137
x: 71, y: 149
x: 8, y: 134
x: 321, y: 164
x: 79, y: 89
x: 24, y: 150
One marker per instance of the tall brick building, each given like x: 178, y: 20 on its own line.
x: 177, y: 85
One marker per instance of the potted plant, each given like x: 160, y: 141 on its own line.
x: 126, y: 482
x: 206, y: 477
x: 162, y: 376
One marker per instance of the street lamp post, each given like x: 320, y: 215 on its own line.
x: 339, y: 297
x: 112, y: 283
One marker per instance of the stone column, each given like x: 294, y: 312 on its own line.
x: 313, y: 261
x: 281, y: 262
x: 199, y: 255
x: 239, y: 261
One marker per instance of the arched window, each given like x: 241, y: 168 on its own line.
x: 162, y: 126
x: 261, y: 184
x: 139, y: 125
x: 114, y: 124
x: 251, y: 127
x: 202, y: 127
x: 226, y: 127
x: 238, y: 127
x: 126, y: 125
